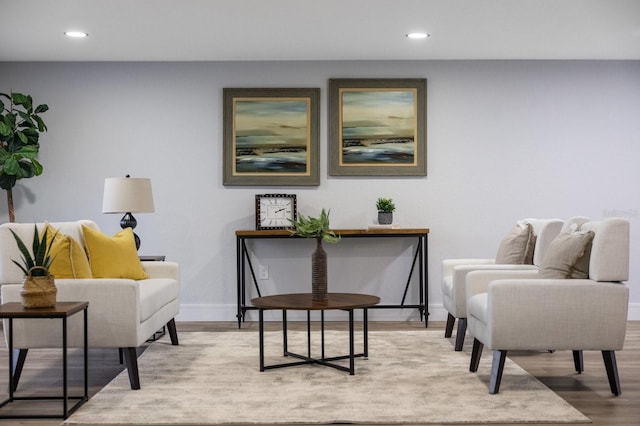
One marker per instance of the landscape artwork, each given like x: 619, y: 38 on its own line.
x: 271, y: 137
x: 378, y: 127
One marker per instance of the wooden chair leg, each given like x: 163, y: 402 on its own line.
x: 173, y: 333
x: 476, y: 353
x: 19, y: 356
x: 497, y: 366
x: 462, y: 330
x: 578, y: 361
x: 449, y: 327
x: 131, y: 360
x: 612, y: 371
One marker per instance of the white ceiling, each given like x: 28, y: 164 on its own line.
x: 223, y: 30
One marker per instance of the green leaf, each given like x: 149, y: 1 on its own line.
x: 7, y: 181
x: 26, y: 256
x: 22, y: 100
x: 39, y: 246
x: 21, y: 267
x: 4, y: 129
x: 32, y: 136
x: 37, y: 166
x: 26, y: 119
x: 11, y: 166
x: 28, y: 151
x: 41, y: 108
x: 41, y: 126
x: 10, y: 120
x: 27, y: 169
x: 22, y: 136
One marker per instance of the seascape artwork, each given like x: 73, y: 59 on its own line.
x: 378, y: 127
x: 271, y: 136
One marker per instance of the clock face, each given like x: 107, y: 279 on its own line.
x: 274, y: 211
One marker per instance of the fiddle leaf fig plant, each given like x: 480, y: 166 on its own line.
x: 20, y: 128
x: 314, y: 227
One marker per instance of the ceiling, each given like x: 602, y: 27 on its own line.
x: 229, y: 30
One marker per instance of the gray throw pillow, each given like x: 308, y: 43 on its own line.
x: 567, y: 256
x: 517, y: 247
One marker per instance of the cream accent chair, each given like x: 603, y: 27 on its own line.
x: 122, y: 313
x: 454, y: 272
x: 519, y: 311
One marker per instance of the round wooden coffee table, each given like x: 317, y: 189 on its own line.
x: 303, y: 302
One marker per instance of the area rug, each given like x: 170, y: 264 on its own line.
x: 410, y: 377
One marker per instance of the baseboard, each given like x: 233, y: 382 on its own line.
x: 222, y: 312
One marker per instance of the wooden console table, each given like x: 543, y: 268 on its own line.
x: 419, y: 258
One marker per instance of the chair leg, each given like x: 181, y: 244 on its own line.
x: 497, y: 366
x: 449, y: 327
x: 612, y: 371
x: 173, y: 333
x: 578, y: 361
x: 19, y: 356
x: 476, y: 353
x: 462, y: 330
x: 131, y: 360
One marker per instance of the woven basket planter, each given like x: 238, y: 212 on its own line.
x: 38, y: 292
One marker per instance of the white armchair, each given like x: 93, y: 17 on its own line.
x: 521, y: 311
x: 454, y: 272
x: 122, y: 313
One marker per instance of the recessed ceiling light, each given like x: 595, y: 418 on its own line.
x: 418, y: 35
x: 75, y: 34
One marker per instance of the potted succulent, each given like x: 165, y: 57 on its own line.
x: 318, y: 228
x: 385, y: 208
x: 20, y: 128
x: 39, y: 289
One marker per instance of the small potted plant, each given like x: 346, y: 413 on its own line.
x: 38, y: 286
x: 385, y: 208
x: 318, y: 228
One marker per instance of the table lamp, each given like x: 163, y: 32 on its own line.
x: 128, y: 195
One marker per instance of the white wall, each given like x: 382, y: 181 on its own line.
x: 506, y: 140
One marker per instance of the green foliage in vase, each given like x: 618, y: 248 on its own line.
x: 41, y: 253
x: 314, y: 227
x: 385, y: 205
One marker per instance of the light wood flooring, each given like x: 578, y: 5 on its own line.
x: 588, y: 392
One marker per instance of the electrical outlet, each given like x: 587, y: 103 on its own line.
x: 263, y: 272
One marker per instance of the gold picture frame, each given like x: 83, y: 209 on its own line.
x: 377, y: 127
x: 271, y: 136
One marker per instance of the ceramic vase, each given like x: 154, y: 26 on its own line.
x: 319, y: 272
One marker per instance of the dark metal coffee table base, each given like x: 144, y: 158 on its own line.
x: 323, y: 360
x: 338, y: 301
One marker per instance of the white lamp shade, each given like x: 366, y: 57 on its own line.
x: 127, y: 195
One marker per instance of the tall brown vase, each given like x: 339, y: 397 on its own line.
x: 319, y: 272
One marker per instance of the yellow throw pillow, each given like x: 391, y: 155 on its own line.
x: 69, y: 258
x: 113, y: 257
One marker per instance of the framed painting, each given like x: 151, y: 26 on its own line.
x: 271, y: 137
x: 377, y: 127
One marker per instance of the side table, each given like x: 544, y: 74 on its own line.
x: 62, y: 310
